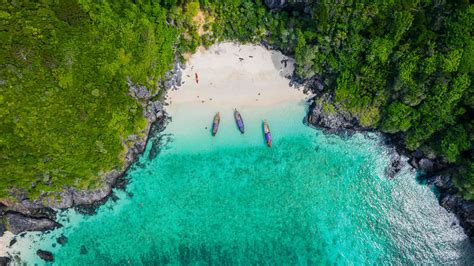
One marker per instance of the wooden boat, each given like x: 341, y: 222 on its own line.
x: 268, y: 136
x: 215, y: 123
x: 196, y: 77
x: 239, y: 121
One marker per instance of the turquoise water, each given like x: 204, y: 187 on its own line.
x: 311, y: 199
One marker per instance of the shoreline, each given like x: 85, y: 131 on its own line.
x: 152, y: 108
x: 29, y: 214
x: 431, y: 169
x: 86, y: 202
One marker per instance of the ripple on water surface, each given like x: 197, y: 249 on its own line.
x: 311, y: 199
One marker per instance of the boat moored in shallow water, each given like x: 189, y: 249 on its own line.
x: 266, y: 130
x: 215, y: 123
x: 239, y: 121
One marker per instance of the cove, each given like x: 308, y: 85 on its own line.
x: 313, y: 198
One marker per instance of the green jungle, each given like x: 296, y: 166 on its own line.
x: 404, y: 67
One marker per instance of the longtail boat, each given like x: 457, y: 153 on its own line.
x: 215, y: 123
x: 268, y: 137
x: 196, y: 77
x: 239, y: 121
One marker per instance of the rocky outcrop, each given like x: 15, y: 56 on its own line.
x: 173, y: 78
x: 427, y: 164
x: 18, y: 223
x: 3, y: 227
x: 464, y: 209
x: 38, y: 215
x: 394, y: 166
x: 45, y: 255
x: 4, y: 261
x: 323, y: 113
x: 62, y: 240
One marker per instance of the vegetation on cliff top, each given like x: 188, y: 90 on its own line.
x: 64, y: 103
x: 400, y: 66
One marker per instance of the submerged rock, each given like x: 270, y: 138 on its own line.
x: 394, y: 166
x: 45, y: 255
x: 4, y: 261
x: 20, y: 223
x: 62, y: 240
x: 83, y: 250
x: 12, y: 242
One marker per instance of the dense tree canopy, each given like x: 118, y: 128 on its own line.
x: 404, y: 67
x: 64, y: 104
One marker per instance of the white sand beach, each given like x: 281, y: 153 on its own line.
x: 236, y: 76
x: 251, y: 79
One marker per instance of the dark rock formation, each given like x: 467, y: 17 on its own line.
x: 20, y: 223
x: 323, y: 113
x: 395, y: 165
x: 4, y: 261
x: 3, y: 227
x: 45, y: 255
x: 173, y: 78
x: 62, y: 240
x: 464, y: 209
x: 426, y: 165
x: 12, y: 242
x: 83, y: 250
x: 157, y: 139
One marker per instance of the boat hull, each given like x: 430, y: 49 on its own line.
x: 268, y: 136
x: 215, y: 127
x: 239, y: 121
x: 215, y: 124
x: 268, y: 139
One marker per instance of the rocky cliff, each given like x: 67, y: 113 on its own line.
x: 323, y: 113
x: 24, y: 214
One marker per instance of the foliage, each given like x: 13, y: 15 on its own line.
x: 64, y: 105
x: 405, y: 67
